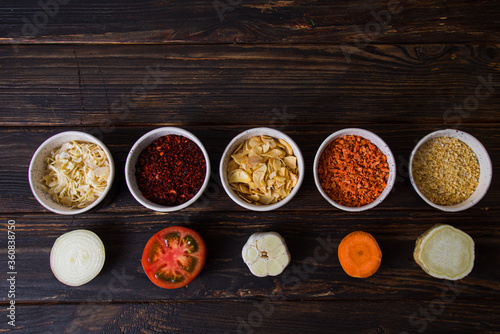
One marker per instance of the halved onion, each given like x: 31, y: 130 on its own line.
x: 77, y: 257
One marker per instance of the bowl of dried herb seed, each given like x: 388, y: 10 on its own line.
x: 167, y: 169
x: 450, y: 169
x: 354, y: 169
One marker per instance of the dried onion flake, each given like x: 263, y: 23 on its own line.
x: 77, y: 174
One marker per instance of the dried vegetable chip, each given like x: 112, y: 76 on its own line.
x: 263, y: 170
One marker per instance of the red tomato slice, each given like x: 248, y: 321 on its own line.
x: 173, y: 257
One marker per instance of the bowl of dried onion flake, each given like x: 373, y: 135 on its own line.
x: 450, y: 169
x: 262, y: 169
x: 71, y: 172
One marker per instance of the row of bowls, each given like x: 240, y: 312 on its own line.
x: 37, y: 168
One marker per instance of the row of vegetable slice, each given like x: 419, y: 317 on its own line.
x: 174, y: 256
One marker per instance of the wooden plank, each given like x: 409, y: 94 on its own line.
x: 312, y: 239
x: 451, y: 314
x: 307, y: 68
x: 18, y: 145
x: 250, y: 21
x: 248, y: 84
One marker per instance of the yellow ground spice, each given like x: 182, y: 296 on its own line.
x: 446, y: 170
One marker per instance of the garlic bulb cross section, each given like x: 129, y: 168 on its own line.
x: 266, y: 254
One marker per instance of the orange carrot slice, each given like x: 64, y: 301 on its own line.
x: 359, y: 254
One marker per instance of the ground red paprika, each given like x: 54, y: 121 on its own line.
x: 171, y: 170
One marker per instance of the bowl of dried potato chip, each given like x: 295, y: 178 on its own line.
x: 71, y: 172
x: 262, y: 169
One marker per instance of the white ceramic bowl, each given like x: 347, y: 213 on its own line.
x: 233, y: 145
x: 38, y: 166
x: 136, y: 150
x: 485, y: 167
x: 374, y: 139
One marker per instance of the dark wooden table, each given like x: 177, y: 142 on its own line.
x: 120, y: 69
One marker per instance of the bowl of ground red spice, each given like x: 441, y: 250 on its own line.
x: 450, y: 169
x: 354, y: 169
x: 167, y: 169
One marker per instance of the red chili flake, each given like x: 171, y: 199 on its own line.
x: 171, y: 170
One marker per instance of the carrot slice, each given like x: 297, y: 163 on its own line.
x: 359, y: 254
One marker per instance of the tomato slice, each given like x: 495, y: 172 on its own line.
x: 173, y: 257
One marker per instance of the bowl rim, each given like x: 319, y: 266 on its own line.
x: 250, y: 133
x: 387, y: 152
x: 459, y: 135
x: 149, y: 137
x: 89, y: 138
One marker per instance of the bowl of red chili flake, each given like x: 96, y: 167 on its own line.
x: 167, y: 169
x: 354, y: 169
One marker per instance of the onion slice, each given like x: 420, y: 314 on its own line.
x: 77, y: 257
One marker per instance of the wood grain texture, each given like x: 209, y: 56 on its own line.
x: 251, y: 21
x: 120, y: 69
x: 456, y: 314
x: 225, y: 85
